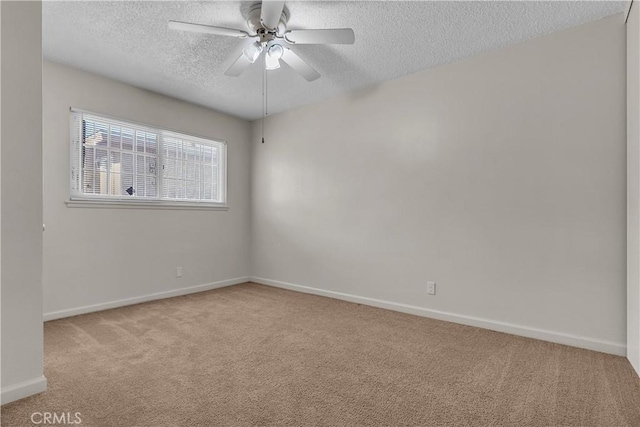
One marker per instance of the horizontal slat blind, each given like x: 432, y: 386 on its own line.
x: 114, y: 159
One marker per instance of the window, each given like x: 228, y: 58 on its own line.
x: 114, y: 160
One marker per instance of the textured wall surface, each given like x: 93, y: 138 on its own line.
x: 21, y: 199
x: 94, y: 256
x: 501, y: 177
x: 633, y: 187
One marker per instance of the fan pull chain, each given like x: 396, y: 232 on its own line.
x: 266, y: 87
x: 264, y: 93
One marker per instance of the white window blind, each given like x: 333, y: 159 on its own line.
x: 116, y: 160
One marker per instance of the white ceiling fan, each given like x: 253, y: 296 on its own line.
x: 267, y: 22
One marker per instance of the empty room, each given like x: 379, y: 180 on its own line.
x: 320, y: 213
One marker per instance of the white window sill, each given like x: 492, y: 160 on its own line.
x: 135, y: 204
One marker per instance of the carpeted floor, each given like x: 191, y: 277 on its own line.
x: 251, y: 355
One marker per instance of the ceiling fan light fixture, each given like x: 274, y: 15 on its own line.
x: 276, y: 51
x: 272, y: 59
x: 271, y: 63
x: 252, y: 51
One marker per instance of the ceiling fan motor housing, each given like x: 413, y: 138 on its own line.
x: 253, y: 21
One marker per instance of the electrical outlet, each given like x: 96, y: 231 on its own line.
x: 431, y: 288
x: 178, y: 271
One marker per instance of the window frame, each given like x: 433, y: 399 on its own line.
x: 79, y: 199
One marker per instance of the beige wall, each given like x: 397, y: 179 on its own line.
x: 102, y: 256
x: 633, y: 187
x: 501, y: 177
x: 21, y: 189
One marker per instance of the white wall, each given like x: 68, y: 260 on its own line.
x: 21, y: 210
x: 98, y: 256
x: 633, y: 187
x: 501, y: 177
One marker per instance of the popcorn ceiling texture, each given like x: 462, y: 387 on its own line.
x: 129, y: 41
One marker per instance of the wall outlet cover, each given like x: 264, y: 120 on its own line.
x: 431, y: 288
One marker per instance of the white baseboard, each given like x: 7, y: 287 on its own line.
x: 144, y: 298
x: 525, y: 331
x: 23, y: 389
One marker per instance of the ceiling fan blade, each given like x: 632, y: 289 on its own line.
x: 207, y: 29
x: 299, y: 66
x: 332, y: 36
x: 270, y: 13
x: 238, y: 67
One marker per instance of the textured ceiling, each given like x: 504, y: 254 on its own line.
x: 129, y: 41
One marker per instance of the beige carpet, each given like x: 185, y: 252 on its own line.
x: 251, y: 355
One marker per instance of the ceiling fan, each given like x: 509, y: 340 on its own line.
x: 267, y: 22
